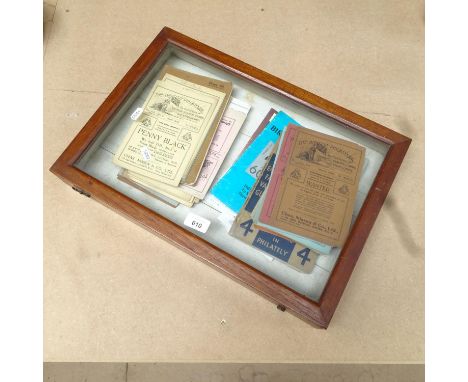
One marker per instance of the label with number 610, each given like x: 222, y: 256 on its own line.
x: 197, y: 222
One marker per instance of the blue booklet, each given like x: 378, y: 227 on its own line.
x: 234, y: 187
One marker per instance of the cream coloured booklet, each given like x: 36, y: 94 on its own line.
x: 123, y: 177
x: 162, y: 143
x: 228, y: 129
x: 175, y: 193
x: 169, y: 73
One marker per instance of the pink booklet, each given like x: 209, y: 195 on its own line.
x: 228, y: 128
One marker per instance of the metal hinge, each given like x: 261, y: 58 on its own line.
x: 281, y: 307
x: 82, y: 192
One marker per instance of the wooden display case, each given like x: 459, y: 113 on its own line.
x: 86, y: 164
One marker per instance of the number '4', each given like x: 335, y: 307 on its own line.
x: 304, y: 255
x: 246, y: 225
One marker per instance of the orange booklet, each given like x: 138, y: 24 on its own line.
x: 314, y: 185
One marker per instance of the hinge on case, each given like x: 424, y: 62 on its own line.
x: 281, y: 307
x: 82, y: 192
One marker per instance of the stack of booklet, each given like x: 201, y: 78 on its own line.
x: 293, y: 190
x: 177, y: 144
x: 290, y: 193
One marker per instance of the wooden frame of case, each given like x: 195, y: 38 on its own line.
x: 318, y: 313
